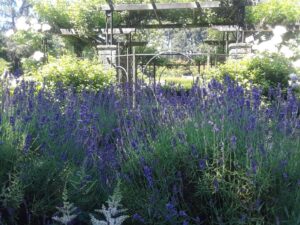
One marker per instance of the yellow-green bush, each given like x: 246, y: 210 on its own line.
x: 3, y: 65
x: 236, y: 69
x: 82, y: 74
x: 265, y: 70
x: 270, y: 70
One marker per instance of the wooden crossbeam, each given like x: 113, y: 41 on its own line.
x: 133, y: 43
x: 160, y: 6
x: 217, y: 42
x: 226, y: 28
x: 171, y: 25
x: 117, y: 30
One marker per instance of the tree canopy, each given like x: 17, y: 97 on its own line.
x: 274, y: 12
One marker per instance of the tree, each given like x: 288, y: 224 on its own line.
x: 10, y: 10
x: 274, y: 12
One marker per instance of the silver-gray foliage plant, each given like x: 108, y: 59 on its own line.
x: 113, y: 213
x: 67, y: 210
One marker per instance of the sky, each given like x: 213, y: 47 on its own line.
x: 3, y: 19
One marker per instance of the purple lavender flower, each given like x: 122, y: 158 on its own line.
x: 254, y: 166
x: 148, y: 175
x: 257, y: 204
x: 243, y: 218
x: 28, y: 141
x: 215, y: 128
x: 181, y: 137
x: 64, y: 156
x: 194, y: 151
x: 283, y: 163
x: 202, y: 164
x: 216, y: 185
x: 134, y: 144
x: 182, y: 213
x: 251, y: 123
x: 298, y: 124
x: 12, y: 121
x: 171, y: 211
x: 250, y: 152
x: 256, y: 97
x: 173, y: 142
x: 285, y: 175
x: 233, y: 140
x: 185, y: 222
x: 138, y: 218
x: 171, y: 207
x: 248, y: 104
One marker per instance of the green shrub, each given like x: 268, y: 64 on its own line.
x: 71, y: 71
x: 3, y: 65
x: 270, y: 70
x: 237, y: 70
x: 30, y: 66
x: 265, y: 70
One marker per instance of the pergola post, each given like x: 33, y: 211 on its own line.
x: 134, y: 78
x: 226, y: 43
x: 119, y: 73
x: 208, y: 60
x: 154, y: 74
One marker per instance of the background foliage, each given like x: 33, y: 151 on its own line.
x: 264, y: 70
x: 81, y: 74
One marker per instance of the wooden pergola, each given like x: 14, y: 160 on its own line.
x: 193, y: 12
x: 158, y: 9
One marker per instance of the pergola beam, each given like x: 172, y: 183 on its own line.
x: 160, y: 6
x: 170, y: 25
x: 226, y: 28
x: 132, y: 43
x: 117, y: 30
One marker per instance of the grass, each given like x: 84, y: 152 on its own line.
x: 182, y: 81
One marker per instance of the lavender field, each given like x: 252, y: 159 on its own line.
x: 218, y: 154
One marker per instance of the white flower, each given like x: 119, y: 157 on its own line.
x: 9, y: 33
x: 21, y: 24
x: 265, y: 46
x: 276, y: 40
x: 249, y: 39
x: 46, y: 27
x: 36, y: 27
x: 292, y: 42
x: 279, y: 30
x: 287, y: 52
x: 295, y: 85
x: 297, y: 63
x: 33, y: 21
x: 293, y: 77
x: 37, y: 56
